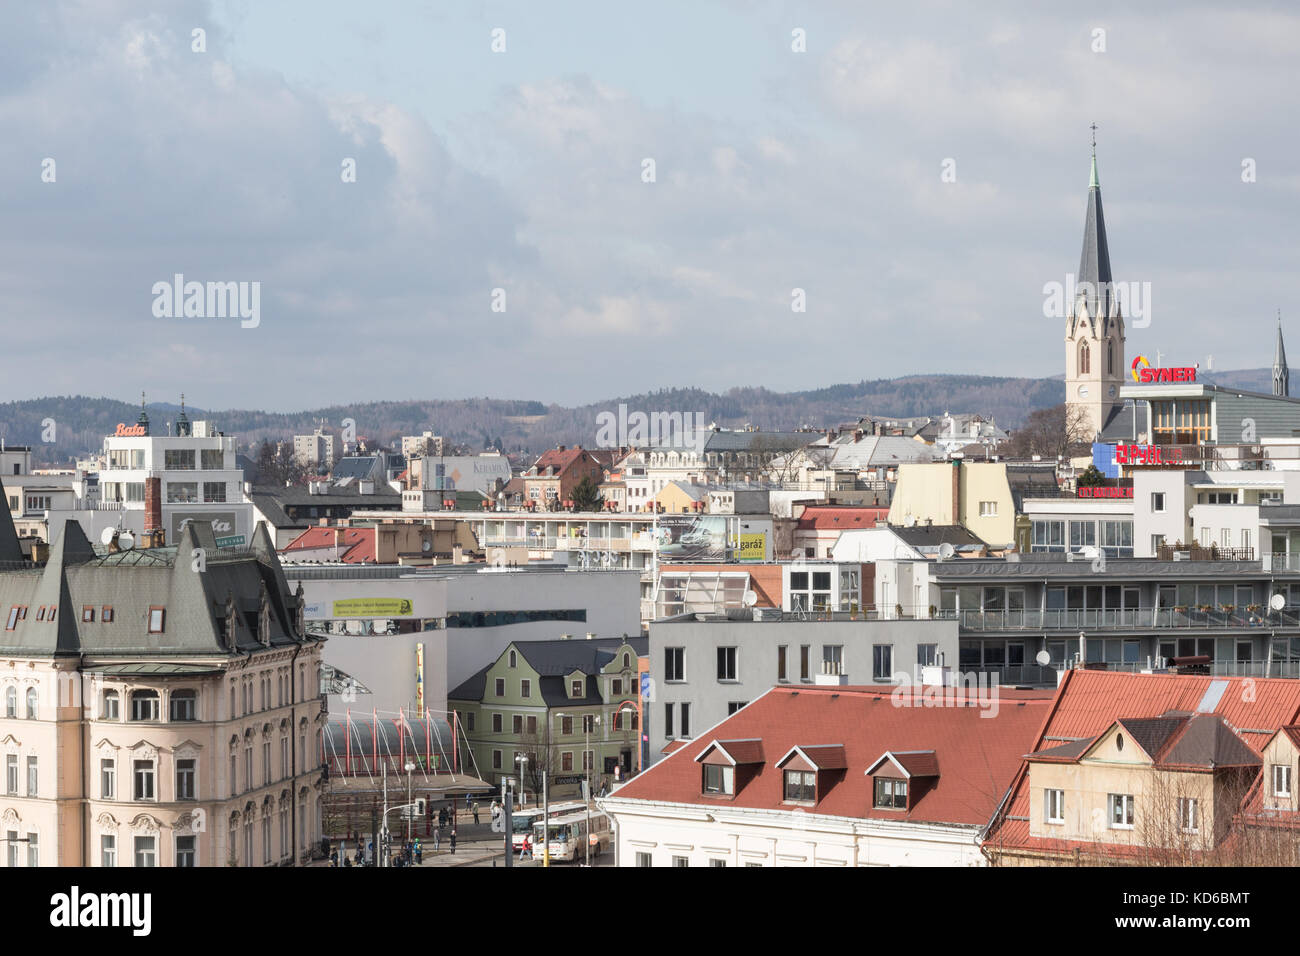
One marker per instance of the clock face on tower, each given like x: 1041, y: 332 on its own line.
x: 1112, y: 391
x: 1083, y: 391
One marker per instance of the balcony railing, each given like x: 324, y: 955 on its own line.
x: 1086, y: 620
x: 1281, y: 561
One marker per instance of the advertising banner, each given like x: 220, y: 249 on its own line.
x: 693, y: 537
x: 372, y: 607
x: 753, y: 547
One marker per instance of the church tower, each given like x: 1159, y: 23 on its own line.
x: 1281, y: 376
x: 1094, y: 328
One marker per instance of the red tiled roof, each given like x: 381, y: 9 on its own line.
x: 1088, y: 702
x: 560, y: 461
x: 355, y: 545
x: 980, y: 755
x: 673, y: 745
x: 840, y: 518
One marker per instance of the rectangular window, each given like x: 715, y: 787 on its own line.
x: 107, y: 850
x: 1121, y: 810
x: 156, y: 616
x: 532, y: 725
x: 496, y: 723
x: 185, y: 851
x: 643, y: 859
x: 800, y: 786
x: 681, y: 861
x: 212, y: 459
x: 501, y: 686
x: 566, y: 726
x: 185, y: 779
x: 31, y: 776
x: 616, y: 687
x: 686, y: 719
x: 106, y: 614
x: 588, y: 723
x: 882, y: 662
x: 1189, y: 814
x: 668, y: 720
x: 182, y: 492
x: 1281, y: 780
x: 988, y: 509
x: 832, y: 658
x: 214, y: 492
x: 33, y: 850
x: 87, y: 615
x: 12, y: 845
x: 144, y: 780
x: 11, y: 774
x: 588, y: 760
x: 145, y: 854
x: 674, y: 663
x: 803, y: 661
x: 717, y: 863
x: 525, y: 688
x: 566, y: 760
x: 891, y: 793
x: 735, y: 705
x: 781, y: 668
x: 178, y: 459
x: 107, y: 780
x: 1054, y: 806
x: 927, y: 655
x: 719, y: 779
x: 517, y: 724
x: 726, y: 663
x: 576, y: 690
x: 1158, y: 501
x: 496, y: 760
x: 13, y: 619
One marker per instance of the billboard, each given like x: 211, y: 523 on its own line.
x: 1103, y: 456
x: 225, y: 526
x: 753, y: 547
x: 690, y: 537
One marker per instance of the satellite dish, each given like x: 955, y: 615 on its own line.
x: 126, y: 541
x: 946, y: 551
x: 910, y: 521
x: 106, y: 536
x: 1277, y: 602
x: 749, y: 599
x: 1043, y: 658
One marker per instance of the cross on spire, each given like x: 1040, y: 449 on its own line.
x: 1093, y: 127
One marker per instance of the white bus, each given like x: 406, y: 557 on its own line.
x: 522, y: 820
x: 569, y: 834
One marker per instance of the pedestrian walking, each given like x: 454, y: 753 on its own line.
x: 474, y: 807
x: 526, y: 850
x: 453, y: 840
x: 442, y: 817
x: 437, y: 839
x: 419, y: 855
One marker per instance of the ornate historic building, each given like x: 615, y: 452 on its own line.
x: 159, y: 706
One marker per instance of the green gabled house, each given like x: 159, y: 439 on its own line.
x: 569, y: 706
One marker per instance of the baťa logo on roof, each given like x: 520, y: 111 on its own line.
x: 1144, y: 373
x: 129, y: 431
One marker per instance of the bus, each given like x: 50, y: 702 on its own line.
x: 522, y: 820
x: 569, y: 833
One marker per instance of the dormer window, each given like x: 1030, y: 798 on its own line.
x: 156, y: 618
x: 800, y: 786
x: 719, y: 780
x: 891, y: 794
x: 577, y: 689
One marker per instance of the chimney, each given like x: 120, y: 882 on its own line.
x: 153, y: 526
x: 956, y: 491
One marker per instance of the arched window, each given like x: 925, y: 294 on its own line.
x: 11, y: 702
x: 31, y: 703
x: 1085, y: 359
x: 144, y: 705
x: 627, y: 661
x: 184, y: 705
x: 1110, y: 356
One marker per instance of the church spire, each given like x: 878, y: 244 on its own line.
x: 1281, y: 375
x: 1094, y: 280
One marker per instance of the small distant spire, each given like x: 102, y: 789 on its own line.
x: 1281, y: 374
x: 1093, y: 183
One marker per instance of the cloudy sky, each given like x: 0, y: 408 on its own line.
x: 523, y: 170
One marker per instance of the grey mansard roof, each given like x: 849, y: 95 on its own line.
x: 134, y: 582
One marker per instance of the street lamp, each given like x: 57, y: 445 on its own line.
x: 410, y: 804
x: 586, y: 732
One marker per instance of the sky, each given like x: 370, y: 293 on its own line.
x: 918, y: 171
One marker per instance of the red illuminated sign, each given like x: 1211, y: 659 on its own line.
x: 1147, y: 455
x: 1106, y: 492
x: 1144, y: 373
x: 128, y: 431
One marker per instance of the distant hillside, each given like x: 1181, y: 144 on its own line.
x: 81, y: 421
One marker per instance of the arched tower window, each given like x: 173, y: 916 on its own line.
x: 1110, y: 356
x: 1085, y: 359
